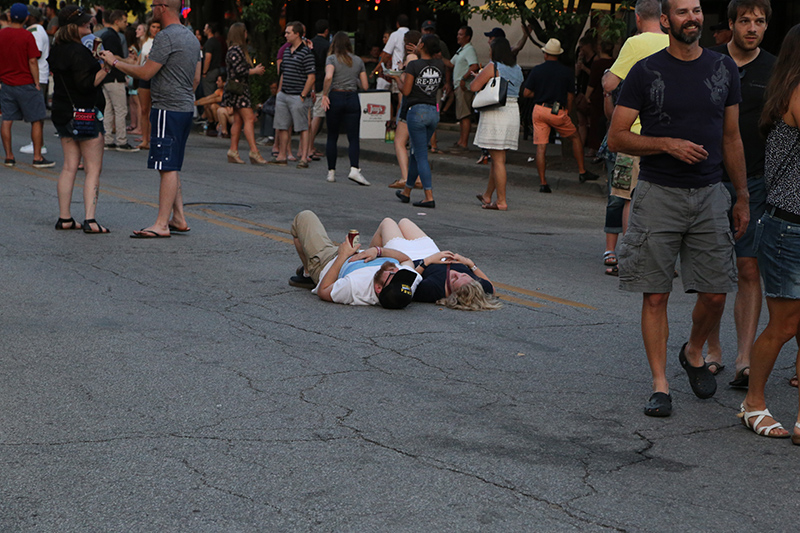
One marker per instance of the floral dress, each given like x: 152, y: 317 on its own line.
x: 239, y: 70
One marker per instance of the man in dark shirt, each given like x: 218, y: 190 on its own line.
x: 212, y: 58
x: 748, y: 21
x: 321, y: 44
x: 115, y: 89
x: 552, y: 88
x: 688, y: 101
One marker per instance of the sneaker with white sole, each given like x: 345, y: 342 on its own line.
x: 43, y: 163
x: 355, y: 175
x: 28, y: 149
x: 331, y: 176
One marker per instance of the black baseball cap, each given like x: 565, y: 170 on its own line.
x: 73, y: 14
x: 397, y: 293
x: 496, y: 32
x: 429, y: 25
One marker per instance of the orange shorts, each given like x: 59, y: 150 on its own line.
x: 543, y: 120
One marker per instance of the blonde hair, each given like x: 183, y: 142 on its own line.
x: 236, y: 37
x: 470, y: 297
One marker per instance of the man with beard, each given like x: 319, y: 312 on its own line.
x: 688, y: 101
x: 748, y: 21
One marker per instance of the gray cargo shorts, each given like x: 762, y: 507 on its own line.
x: 671, y: 222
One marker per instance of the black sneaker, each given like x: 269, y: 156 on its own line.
x: 545, y: 188
x: 110, y: 146
x: 304, y: 282
x: 127, y: 148
x: 588, y: 176
x: 43, y: 163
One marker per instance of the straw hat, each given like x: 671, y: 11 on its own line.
x: 553, y: 47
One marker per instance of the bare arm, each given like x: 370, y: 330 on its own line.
x: 364, y: 80
x: 33, y: 64
x: 309, y: 85
x: 325, y: 286
x: 482, y: 78
x: 141, y: 72
x: 206, y: 63
x: 610, y: 83
x: 526, y: 33
x: 473, y: 68
x: 196, y: 80
x: 620, y: 139
x: 733, y: 158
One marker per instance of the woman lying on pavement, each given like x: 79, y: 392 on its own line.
x: 448, y: 278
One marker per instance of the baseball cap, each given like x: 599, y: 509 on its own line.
x: 496, y: 32
x: 721, y: 25
x: 18, y: 12
x: 429, y: 25
x: 73, y: 14
x: 397, y: 293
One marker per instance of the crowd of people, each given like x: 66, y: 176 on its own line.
x: 702, y: 153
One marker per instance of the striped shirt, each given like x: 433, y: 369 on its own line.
x: 295, y: 69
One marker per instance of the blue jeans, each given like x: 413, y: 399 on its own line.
x: 422, y: 121
x: 344, y: 111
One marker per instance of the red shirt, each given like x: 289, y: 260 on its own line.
x: 18, y: 46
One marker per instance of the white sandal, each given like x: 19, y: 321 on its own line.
x: 765, y: 431
x: 796, y: 436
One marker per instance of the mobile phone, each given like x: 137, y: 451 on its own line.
x: 556, y: 108
x: 97, y: 47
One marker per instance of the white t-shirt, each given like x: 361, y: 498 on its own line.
x: 43, y: 44
x: 357, y: 288
x: 146, y: 47
x: 396, y: 48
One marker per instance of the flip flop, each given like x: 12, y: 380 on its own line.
x: 480, y: 199
x: 717, y: 367
x: 740, y: 380
x: 612, y: 271
x: 175, y: 229
x: 494, y: 206
x: 148, y: 234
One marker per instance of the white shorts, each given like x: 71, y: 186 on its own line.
x: 415, y: 249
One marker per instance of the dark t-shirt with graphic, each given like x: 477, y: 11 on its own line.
x: 753, y: 77
x: 428, y: 77
x: 434, y: 278
x: 684, y: 100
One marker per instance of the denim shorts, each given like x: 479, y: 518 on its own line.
x: 745, y: 246
x: 778, y: 250
x: 671, y: 222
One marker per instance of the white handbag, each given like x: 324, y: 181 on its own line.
x: 493, y: 93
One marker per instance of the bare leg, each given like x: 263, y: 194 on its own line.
x: 66, y: 180
x: 655, y: 333
x: 303, y: 149
x: 92, y: 152
x: 247, y: 117
x: 37, y: 136
x: 400, y: 150
x: 169, y: 196
x: 784, y: 318
x: 283, y: 138
x: 747, y: 308
x: 541, y: 163
x: 465, y: 125
x: 314, y: 127
x: 6, y: 135
x: 499, y: 175
x: 387, y: 230
x: 144, y: 104
x: 236, y: 129
x: 577, y: 152
x: 705, y: 316
x: 410, y: 230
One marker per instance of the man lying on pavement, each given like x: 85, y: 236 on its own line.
x: 388, y: 280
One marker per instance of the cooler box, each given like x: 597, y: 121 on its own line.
x: 376, y: 109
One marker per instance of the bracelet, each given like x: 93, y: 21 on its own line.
x: 474, y: 267
x: 379, y: 251
x: 114, y: 64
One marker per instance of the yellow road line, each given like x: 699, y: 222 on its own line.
x: 279, y: 238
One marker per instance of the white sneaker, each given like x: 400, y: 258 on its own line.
x: 355, y: 175
x: 331, y: 176
x: 28, y: 149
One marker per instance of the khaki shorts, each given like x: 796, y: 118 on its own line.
x: 670, y: 222
x: 544, y: 119
x: 317, y: 247
x: 463, y: 103
x: 317, y: 111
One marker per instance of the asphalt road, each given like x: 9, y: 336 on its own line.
x: 181, y: 385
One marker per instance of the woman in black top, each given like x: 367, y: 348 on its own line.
x: 448, y: 278
x: 77, y: 75
x: 419, y: 84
